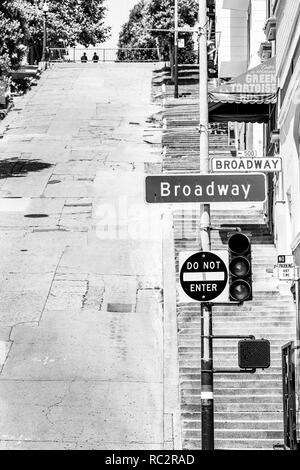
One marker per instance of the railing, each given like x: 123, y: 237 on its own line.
x: 289, y: 397
x: 103, y: 54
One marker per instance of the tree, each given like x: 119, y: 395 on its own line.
x: 134, y: 35
x: 13, y: 34
x: 159, y: 14
x: 68, y: 22
x: 90, y: 19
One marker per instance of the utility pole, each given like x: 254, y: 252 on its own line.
x: 203, y: 88
x: 44, y: 37
x: 207, y: 392
x: 176, y: 51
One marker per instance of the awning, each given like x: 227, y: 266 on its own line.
x: 246, y: 98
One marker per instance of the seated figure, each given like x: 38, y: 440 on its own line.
x: 95, y: 58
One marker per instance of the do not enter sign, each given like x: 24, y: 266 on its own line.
x: 204, y: 276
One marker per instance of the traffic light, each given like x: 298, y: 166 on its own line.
x: 254, y: 354
x: 240, y: 268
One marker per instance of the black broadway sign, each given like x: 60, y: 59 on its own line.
x: 205, y: 188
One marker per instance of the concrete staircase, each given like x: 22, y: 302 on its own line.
x: 248, y: 408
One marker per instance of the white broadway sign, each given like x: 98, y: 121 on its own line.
x: 243, y: 165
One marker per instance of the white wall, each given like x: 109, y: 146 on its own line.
x: 233, y: 50
x: 288, y: 34
x: 257, y: 36
x: 241, y: 36
x: 236, y: 53
x: 287, y: 20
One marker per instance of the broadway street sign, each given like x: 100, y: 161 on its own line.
x: 242, y: 165
x: 205, y: 188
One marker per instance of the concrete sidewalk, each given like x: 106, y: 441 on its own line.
x: 82, y: 327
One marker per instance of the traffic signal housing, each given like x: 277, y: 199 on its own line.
x: 254, y: 354
x: 240, y: 268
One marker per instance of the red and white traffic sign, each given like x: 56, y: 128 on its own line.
x: 203, y: 277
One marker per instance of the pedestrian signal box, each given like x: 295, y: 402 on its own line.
x: 240, y: 268
x: 254, y: 354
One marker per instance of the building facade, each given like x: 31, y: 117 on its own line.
x: 266, y: 32
x: 239, y: 25
x: 287, y: 221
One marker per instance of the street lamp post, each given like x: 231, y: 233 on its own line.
x: 45, y: 12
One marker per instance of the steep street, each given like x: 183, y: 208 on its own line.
x: 83, y: 325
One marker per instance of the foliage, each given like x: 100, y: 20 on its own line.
x: 68, y: 22
x: 159, y: 14
x: 13, y: 33
x: 134, y: 35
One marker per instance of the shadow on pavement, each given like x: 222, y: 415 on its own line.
x: 13, y: 167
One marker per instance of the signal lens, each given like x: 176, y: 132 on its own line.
x: 240, y: 291
x: 239, y: 243
x: 240, y: 267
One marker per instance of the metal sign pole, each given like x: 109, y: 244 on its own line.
x: 207, y: 374
x: 207, y: 396
x: 44, y: 36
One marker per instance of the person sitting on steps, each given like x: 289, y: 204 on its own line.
x: 84, y: 58
x: 95, y: 58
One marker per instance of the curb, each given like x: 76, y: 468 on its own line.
x: 172, y: 412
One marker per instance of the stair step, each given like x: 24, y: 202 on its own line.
x: 248, y: 444
x: 222, y: 386
x: 241, y: 393
x: 194, y: 424
x: 237, y: 433
x: 246, y: 417
x: 236, y: 444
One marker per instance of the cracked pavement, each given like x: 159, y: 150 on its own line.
x: 81, y: 325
